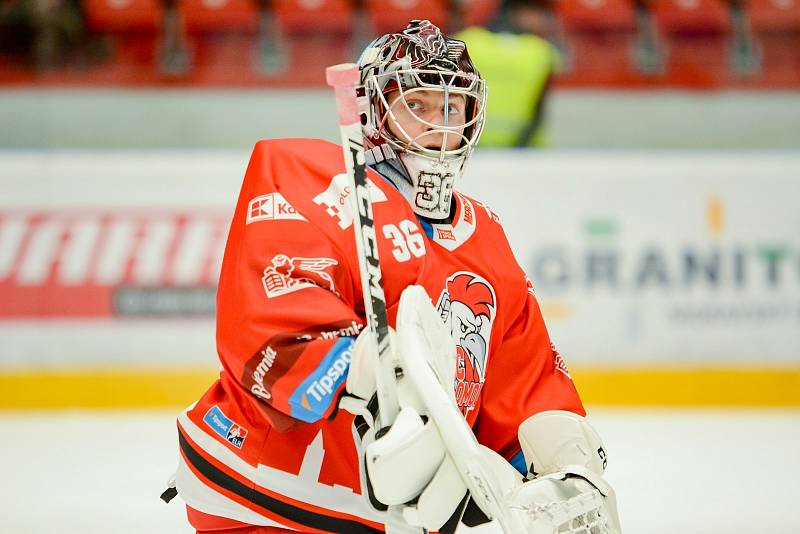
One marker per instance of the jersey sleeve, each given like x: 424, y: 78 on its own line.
x: 286, y: 318
x: 526, y: 377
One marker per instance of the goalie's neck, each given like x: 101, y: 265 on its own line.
x: 385, y: 162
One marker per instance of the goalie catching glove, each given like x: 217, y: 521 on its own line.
x: 409, y: 465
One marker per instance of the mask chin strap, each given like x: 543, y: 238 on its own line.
x: 383, y: 159
x: 426, y: 184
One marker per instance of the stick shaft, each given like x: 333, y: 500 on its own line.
x: 343, y: 79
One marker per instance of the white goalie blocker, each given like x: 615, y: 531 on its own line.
x: 431, y: 449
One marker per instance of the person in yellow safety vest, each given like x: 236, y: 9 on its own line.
x: 518, y: 67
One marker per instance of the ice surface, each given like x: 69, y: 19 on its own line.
x: 689, y: 472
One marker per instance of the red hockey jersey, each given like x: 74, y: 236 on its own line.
x: 266, y: 445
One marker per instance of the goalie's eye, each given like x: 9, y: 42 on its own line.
x: 463, y: 326
x: 455, y: 108
x: 414, y: 105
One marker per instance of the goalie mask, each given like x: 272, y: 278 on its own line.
x: 422, y: 107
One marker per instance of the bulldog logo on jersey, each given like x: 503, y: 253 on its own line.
x: 467, y: 306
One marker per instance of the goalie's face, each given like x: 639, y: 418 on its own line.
x: 422, y: 104
x: 427, y: 118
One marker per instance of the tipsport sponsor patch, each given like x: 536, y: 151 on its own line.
x: 280, y: 353
x: 234, y: 433
x: 314, y: 395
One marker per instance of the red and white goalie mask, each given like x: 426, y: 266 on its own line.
x: 422, y: 101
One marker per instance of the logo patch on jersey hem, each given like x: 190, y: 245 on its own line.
x: 233, y: 432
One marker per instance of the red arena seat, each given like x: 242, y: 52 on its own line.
x: 315, y: 34
x: 219, y: 15
x: 776, y: 29
x: 133, y: 28
x: 598, y: 33
x: 596, y: 14
x: 393, y: 15
x: 123, y: 15
x: 221, y: 37
x: 696, y: 36
x: 478, y: 12
x: 773, y: 15
x: 307, y: 16
x: 689, y: 16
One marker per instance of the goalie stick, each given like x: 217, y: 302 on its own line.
x: 422, y: 336
x: 343, y: 78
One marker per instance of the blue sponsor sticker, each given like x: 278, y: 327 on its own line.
x: 311, y: 399
x: 234, y: 433
x: 518, y: 462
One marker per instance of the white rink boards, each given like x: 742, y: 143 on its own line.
x: 690, y: 257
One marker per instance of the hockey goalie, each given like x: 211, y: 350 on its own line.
x: 490, y: 432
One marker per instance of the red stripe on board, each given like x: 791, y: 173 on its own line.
x: 54, y: 300
x: 33, y: 286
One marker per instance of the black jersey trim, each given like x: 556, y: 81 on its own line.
x: 292, y: 513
